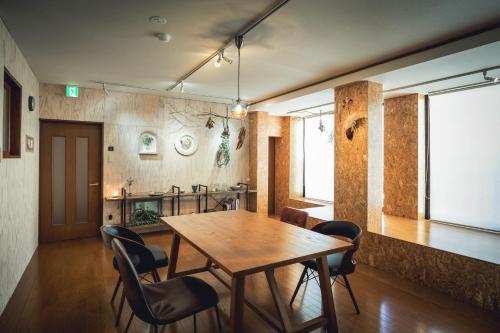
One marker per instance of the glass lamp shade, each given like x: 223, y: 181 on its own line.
x: 239, y: 109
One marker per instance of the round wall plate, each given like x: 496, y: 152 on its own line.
x: 186, y: 145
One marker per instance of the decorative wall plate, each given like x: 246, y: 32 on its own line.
x: 186, y: 145
x: 148, y: 144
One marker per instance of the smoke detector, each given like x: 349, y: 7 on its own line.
x: 158, y: 20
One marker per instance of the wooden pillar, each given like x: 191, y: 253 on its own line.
x: 403, y: 150
x: 259, y: 154
x: 358, y: 159
x: 262, y: 127
x: 282, y: 167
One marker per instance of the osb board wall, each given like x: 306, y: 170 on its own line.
x: 126, y: 116
x: 401, y: 156
x: 18, y: 178
x: 463, y: 278
x: 259, y: 157
x: 351, y: 156
x: 263, y: 126
x: 282, y: 167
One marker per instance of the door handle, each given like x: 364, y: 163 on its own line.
x: 94, y: 184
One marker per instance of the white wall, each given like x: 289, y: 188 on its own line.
x: 18, y: 178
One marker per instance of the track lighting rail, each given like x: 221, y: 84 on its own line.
x: 249, y: 27
x: 482, y: 70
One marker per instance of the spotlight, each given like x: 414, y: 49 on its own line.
x: 226, y: 59
x: 489, y: 78
x: 218, y: 61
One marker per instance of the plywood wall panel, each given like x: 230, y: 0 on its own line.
x: 282, y: 166
x: 401, y: 148
x: 351, y: 156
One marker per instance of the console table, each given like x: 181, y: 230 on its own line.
x: 175, y: 195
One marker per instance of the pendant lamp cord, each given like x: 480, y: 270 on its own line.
x: 238, y: 73
x: 238, y: 40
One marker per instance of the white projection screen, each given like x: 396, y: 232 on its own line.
x: 465, y: 157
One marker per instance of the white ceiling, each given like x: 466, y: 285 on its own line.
x: 303, y: 42
x: 458, y: 63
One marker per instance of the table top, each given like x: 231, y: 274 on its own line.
x: 242, y: 242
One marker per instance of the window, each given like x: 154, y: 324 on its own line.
x: 11, y: 117
x: 318, y: 158
x: 464, y: 146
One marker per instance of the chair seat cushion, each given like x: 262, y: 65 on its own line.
x: 178, y: 298
x: 161, y: 258
x: 334, y: 263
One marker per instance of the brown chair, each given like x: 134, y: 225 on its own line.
x: 146, y: 258
x: 341, y: 263
x: 164, y: 302
x: 294, y: 216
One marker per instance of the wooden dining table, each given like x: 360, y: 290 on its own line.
x: 241, y: 243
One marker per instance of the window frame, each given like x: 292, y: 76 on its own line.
x: 323, y: 201
x: 14, y: 116
x: 427, y: 198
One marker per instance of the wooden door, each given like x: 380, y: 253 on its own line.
x: 70, y: 180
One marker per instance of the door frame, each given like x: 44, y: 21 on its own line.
x: 99, y: 222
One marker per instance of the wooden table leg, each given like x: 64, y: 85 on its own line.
x: 174, y: 255
x: 237, y: 304
x: 286, y: 325
x: 327, y: 295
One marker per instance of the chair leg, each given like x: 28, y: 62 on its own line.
x: 118, y: 282
x: 351, y: 293
x: 120, y: 308
x: 157, y: 275
x: 194, y: 323
x: 301, y: 280
x: 217, y: 315
x: 129, y: 322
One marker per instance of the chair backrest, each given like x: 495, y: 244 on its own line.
x: 344, y: 229
x: 294, y: 216
x: 141, y: 256
x: 131, y: 284
x: 108, y: 232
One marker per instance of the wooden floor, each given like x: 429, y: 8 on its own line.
x: 68, y: 285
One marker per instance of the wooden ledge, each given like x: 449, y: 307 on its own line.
x: 477, y: 244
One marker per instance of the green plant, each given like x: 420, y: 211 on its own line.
x: 144, y: 217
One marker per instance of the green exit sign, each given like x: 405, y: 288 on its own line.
x: 71, y: 91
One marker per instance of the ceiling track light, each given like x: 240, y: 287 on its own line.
x: 217, y: 63
x: 226, y: 59
x: 220, y: 57
x: 489, y: 78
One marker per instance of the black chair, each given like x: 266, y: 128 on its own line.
x: 164, y: 302
x: 341, y: 263
x: 145, y: 258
